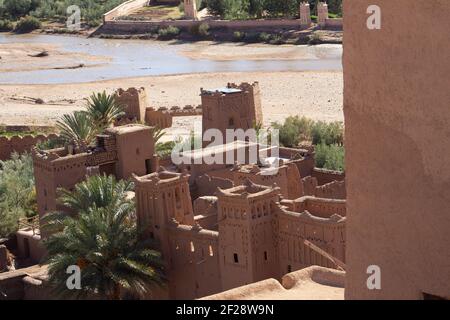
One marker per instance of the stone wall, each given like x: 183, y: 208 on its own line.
x: 396, y: 107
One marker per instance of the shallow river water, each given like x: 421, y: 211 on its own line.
x: 134, y: 58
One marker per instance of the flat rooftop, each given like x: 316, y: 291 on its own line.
x: 312, y: 283
x: 224, y: 90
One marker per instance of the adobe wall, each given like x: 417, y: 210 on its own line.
x: 325, y: 176
x: 135, y: 150
x: 194, y: 262
x: 287, y: 178
x: 127, y: 26
x: 190, y: 9
x: 246, y: 244
x: 322, y: 283
x: 20, y: 144
x: 52, y: 172
x: 396, y: 106
x: 21, y: 284
x: 158, y: 118
x: 332, y: 190
x: 319, y: 207
x: 334, y: 23
x: 11, y: 285
x: 207, y: 185
x: 134, y: 102
x: 305, y: 14
x: 239, y: 110
x: 36, y: 248
x: 326, y: 233
x: 304, y: 159
x: 205, y: 212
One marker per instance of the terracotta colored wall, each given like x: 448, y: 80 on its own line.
x: 133, y: 150
x: 194, y: 262
x: 396, y: 105
x: 245, y: 228
x: 157, y: 118
x: 134, y: 102
x: 318, y: 207
x: 20, y: 144
x: 37, y: 249
x: 324, y: 176
x: 190, y: 9
x: 146, y: 26
x: 239, y: 110
x: 326, y: 233
x: 64, y: 172
x: 332, y: 190
x: 207, y: 186
x: 287, y: 178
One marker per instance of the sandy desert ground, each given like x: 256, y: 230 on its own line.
x: 317, y: 95
x: 22, y: 57
x: 314, y: 94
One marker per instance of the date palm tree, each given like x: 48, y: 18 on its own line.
x: 76, y: 128
x: 102, y: 239
x: 157, y: 133
x: 103, y: 109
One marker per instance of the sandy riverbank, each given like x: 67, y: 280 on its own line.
x: 241, y: 51
x: 317, y: 95
x: 18, y: 57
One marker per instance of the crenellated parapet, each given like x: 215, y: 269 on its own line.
x: 21, y: 144
x: 134, y: 101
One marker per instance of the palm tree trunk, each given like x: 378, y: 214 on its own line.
x: 115, y: 294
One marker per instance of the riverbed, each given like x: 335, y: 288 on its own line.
x: 73, y: 59
x: 294, y: 80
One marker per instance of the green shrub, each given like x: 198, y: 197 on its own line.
x: 238, y: 36
x: 17, y: 192
x: 168, y: 33
x: 276, y: 39
x: 203, y: 30
x: 264, y: 37
x: 328, y: 133
x: 294, y: 130
x: 27, y: 24
x: 330, y: 157
x: 164, y: 149
x: 6, y: 25
x: 51, y: 144
x: 314, y: 39
x: 252, y: 37
x: 181, y: 6
x: 18, y: 8
x: 200, y: 30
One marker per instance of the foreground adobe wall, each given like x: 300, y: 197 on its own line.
x: 397, y: 115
